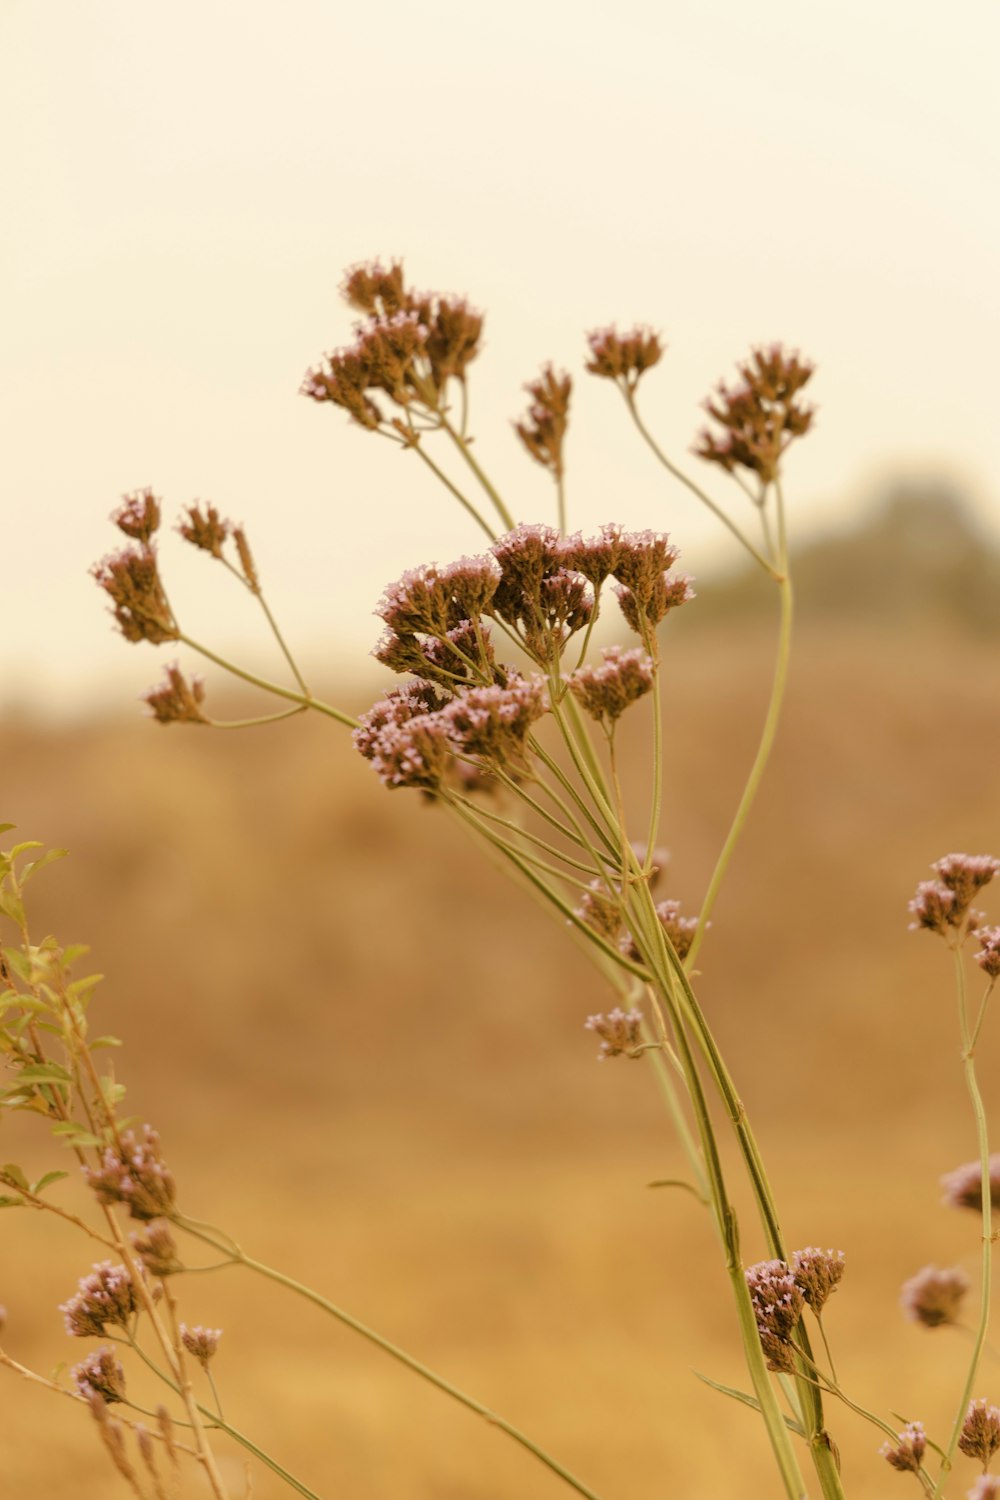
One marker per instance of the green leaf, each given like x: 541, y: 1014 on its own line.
x: 12, y: 907
x: 105, y: 1041
x: 47, y: 1180
x: 80, y: 989
x: 6, y: 1202
x: 13, y: 1176
x: 112, y: 1091
x: 6, y: 827
x: 675, y: 1182
x: 47, y: 1072
x: 747, y: 1400
x: 47, y: 858
x: 19, y: 962
x: 73, y: 951
x: 77, y: 1137
x: 27, y: 844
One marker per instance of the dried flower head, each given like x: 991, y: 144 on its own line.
x: 430, y: 600
x: 138, y: 516
x: 620, y: 1032
x: 157, y: 1250
x: 963, y: 1187
x: 454, y: 330
x: 344, y: 382
x: 934, y: 1297
x: 177, y: 700
x: 909, y: 1449
x: 105, y: 1297
x: 934, y: 907
x: 817, y: 1274
x: 647, y: 590
x: 605, y: 692
x: 100, y: 1374
x: 493, y: 722
x: 980, y: 1435
x: 761, y: 416
x: 371, y: 288
x: 543, y: 430
x: 205, y: 529
x: 965, y: 875
x: 623, y: 357
x: 200, y: 1343
x: 988, y: 957
x: 596, y: 557
x: 133, y: 1172
x: 131, y: 579
x: 777, y: 1304
x: 599, y: 910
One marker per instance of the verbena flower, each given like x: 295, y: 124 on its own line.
x: 543, y: 430
x: 131, y: 579
x: 138, y: 516
x: 623, y: 677
x: 135, y: 1174
x: 493, y: 722
x: 680, y: 930
x: 599, y: 910
x: 909, y: 1449
x: 620, y: 1032
x: 761, y: 416
x: 988, y: 957
x: 986, y: 1487
x: 777, y: 1303
x: 178, y: 699
x: 407, y: 745
x: 205, y: 529
x: 933, y: 1297
x: 106, y: 1297
x: 432, y: 600
x: 100, y: 1374
x: 201, y: 1343
x: 157, y: 1250
x: 945, y: 903
x: 623, y: 357
x: 817, y: 1274
x: 980, y: 1435
x: 963, y: 1185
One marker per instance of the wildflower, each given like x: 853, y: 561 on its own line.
x: 965, y: 874
x: 623, y: 357
x: 909, y: 1450
x: 620, y: 1032
x: 945, y: 903
x: 133, y: 1172
x: 934, y: 907
x: 680, y: 930
x: 131, y: 579
x: 986, y: 1487
x: 526, y: 555
x: 373, y: 289
x: 157, y: 1250
x: 543, y: 429
x: 453, y: 333
x: 595, y: 558
x: 177, y: 700
x: 647, y: 590
x: 412, y: 753
x: 100, y: 1374
x: 963, y: 1187
x: 493, y: 722
x: 138, y: 516
x: 599, y: 909
x: 760, y: 417
x: 934, y: 1297
x: 817, y: 1274
x: 980, y: 1435
x: 777, y: 1304
x: 988, y: 957
x: 205, y: 529
x: 431, y: 601
x: 105, y: 1297
x: 605, y: 692
x: 200, y: 1343
x: 345, y: 383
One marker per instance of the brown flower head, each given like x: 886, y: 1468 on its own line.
x: 176, y: 700
x: 599, y: 910
x: 647, y: 590
x: 963, y: 1187
x: 909, y: 1449
x: 371, y: 288
x: 104, y: 1298
x: 761, y: 416
x: 100, y: 1374
x: 597, y: 557
x: 777, y: 1304
x: 138, y: 516
x: 200, y: 1343
x: 453, y: 333
x: 980, y: 1435
x: 605, y: 692
x: 988, y: 957
x: 543, y: 429
x: 620, y: 1032
x: 135, y: 1174
x: 131, y: 579
x: 965, y: 875
x: 157, y: 1250
x: 405, y: 740
x: 623, y: 357
x: 431, y: 600
x: 817, y: 1274
x: 205, y: 529
x: 492, y: 723
x: 344, y: 382
x: 934, y: 1297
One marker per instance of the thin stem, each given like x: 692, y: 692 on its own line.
x: 695, y: 489
x: 561, y: 500
x: 492, y: 817
x: 972, y: 1085
x: 463, y: 444
x: 398, y: 1354
x: 287, y: 713
x: 270, y: 687
x: 656, y: 806
x: 465, y: 503
x: 982, y: 1015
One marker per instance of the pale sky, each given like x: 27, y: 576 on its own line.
x: 184, y: 185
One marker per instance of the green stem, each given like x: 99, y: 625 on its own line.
x: 466, y: 504
x: 396, y: 1353
x: 304, y: 700
x: 463, y: 445
x: 972, y: 1085
x: 287, y: 713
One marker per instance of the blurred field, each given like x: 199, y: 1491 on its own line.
x: 364, y: 1054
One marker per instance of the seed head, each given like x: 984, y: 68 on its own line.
x: 370, y: 288
x: 909, y: 1449
x: 963, y: 1187
x: 777, y: 1304
x: 620, y: 1032
x: 988, y: 957
x: 177, y: 700
x: 200, y: 1343
x: 101, y: 1375
x: 934, y: 1297
x: 543, y: 429
x: 131, y: 579
x: 623, y: 357
x: 138, y: 516
x: 759, y: 417
x: 817, y: 1274
x: 205, y: 529
x: 980, y: 1435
